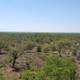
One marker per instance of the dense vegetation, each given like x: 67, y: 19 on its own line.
x: 53, y: 69
x: 39, y: 56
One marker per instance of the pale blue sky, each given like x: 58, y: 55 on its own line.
x: 40, y: 15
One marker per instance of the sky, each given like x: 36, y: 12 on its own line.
x: 40, y: 15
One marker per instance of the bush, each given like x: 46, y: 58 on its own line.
x: 53, y: 69
x: 28, y: 75
x: 39, y: 49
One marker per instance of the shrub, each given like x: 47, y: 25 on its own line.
x: 39, y: 49
x: 53, y: 69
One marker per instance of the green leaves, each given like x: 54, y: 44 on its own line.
x: 28, y: 75
x: 53, y: 69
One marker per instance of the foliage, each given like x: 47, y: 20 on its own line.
x: 39, y: 49
x: 31, y: 51
x: 54, y: 69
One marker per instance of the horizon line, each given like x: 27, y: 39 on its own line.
x: 36, y: 32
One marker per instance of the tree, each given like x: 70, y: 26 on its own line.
x: 14, y: 56
x: 39, y: 49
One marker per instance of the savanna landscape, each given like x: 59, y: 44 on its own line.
x: 39, y: 39
x: 39, y: 56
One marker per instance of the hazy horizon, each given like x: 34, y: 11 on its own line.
x: 40, y: 16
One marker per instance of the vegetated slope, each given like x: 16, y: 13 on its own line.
x: 39, y: 56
